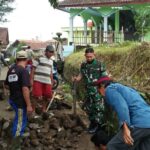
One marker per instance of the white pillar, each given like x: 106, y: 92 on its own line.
x: 85, y: 32
x: 71, y: 30
x: 105, y: 35
x: 96, y: 34
x: 100, y: 33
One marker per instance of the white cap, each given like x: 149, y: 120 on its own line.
x: 21, y: 54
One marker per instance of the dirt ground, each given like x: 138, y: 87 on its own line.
x: 4, y: 103
x: 4, y: 113
x: 83, y: 139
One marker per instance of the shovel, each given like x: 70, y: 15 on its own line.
x: 50, y: 103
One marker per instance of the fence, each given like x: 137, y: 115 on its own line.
x: 104, y: 37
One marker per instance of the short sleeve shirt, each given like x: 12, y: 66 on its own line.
x: 17, y: 77
x: 44, y: 68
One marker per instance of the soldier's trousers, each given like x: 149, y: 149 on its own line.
x: 95, y: 112
x: 140, y: 136
x: 94, y: 107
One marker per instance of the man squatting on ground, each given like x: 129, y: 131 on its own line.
x: 42, y: 79
x: 18, y: 82
x: 133, y: 114
x: 91, y: 70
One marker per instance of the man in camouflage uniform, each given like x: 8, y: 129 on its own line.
x: 91, y: 70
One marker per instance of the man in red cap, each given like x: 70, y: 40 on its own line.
x: 133, y: 115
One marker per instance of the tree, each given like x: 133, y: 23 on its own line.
x: 142, y: 21
x: 54, y: 3
x: 5, y: 8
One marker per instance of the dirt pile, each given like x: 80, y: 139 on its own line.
x: 61, y: 131
x: 55, y: 130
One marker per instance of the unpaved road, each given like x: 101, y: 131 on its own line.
x: 3, y: 112
x: 3, y: 73
x: 4, y: 103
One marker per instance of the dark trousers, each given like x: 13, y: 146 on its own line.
x: 141, y: 138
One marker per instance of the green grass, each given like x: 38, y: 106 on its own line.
x: 76, y: 58
x: 119, y: 48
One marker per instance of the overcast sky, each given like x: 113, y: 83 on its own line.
x: 36, y: 18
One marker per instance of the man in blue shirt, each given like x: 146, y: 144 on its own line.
x: 133, y: 115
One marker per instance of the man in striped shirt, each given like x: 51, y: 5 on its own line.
x: 42, y: 79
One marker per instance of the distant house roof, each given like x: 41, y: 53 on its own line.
x: 36, y: 44
x: 4, y: 36
x: 97, y: 3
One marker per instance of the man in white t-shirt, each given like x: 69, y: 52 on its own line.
x: 42, y: 78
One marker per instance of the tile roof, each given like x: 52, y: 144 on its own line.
x: 37, y: 44
x: 97, y: 3
x: 4, y: 37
